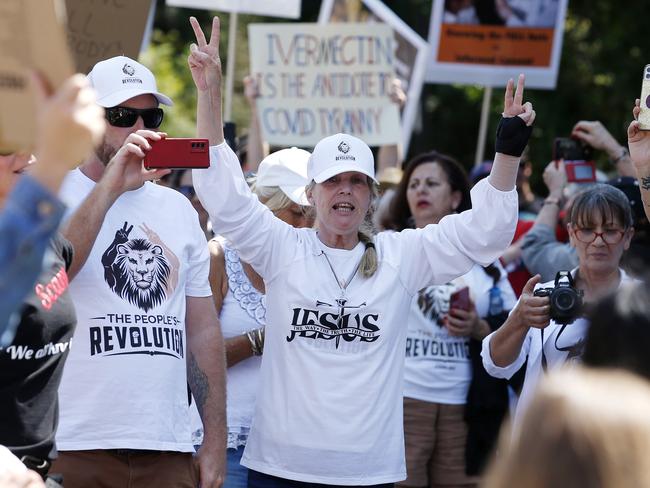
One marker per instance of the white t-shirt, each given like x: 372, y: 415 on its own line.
x: 562, y: 345
x: 438, y: 367
x: 124, y: 383
x: 329, y: 407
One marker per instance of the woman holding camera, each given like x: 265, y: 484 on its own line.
x: 600, y: 228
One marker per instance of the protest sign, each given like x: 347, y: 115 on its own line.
x: 317, y: 80
x: 289, y: 9
x: 32, y: 37
x: 410, y: 55
x: 488, y: 43
x: 101, y: 30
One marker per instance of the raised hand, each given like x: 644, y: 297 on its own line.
x: 251, y: 90
x: 122, y: 235
x: 638, y: 141
x: 204, y: 60
x: 69, y: 122
x: 513, y: 104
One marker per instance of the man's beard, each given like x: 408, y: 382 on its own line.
x: 105, y: 152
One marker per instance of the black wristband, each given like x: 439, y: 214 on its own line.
x: 512, y: 136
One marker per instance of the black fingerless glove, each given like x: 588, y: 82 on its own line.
x: 512, y: 136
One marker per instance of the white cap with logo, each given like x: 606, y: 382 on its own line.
x: 340, y: 153
x: 286, y: 168
x: 118, y: 79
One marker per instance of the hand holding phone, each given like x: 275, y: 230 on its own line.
x: 460, y: 299
x: 178, y: 153
x: 578, y: 159
x: 644, y: 114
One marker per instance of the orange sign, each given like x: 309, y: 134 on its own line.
x: 495, y: 45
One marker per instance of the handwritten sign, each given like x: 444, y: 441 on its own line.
x: 32, y: 37
x: 289, y: 9
x: 99, y: 30
x: 488, y: 46
x: 317, y: 80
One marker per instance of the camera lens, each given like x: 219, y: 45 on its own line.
x: 565, y: 300
x: 647, y: 76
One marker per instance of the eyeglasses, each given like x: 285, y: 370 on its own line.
x: 127, y: 117
x: 609, y: 236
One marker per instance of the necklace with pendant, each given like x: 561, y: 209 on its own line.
x: 342, y: 284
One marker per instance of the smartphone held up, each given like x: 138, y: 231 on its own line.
x: 578, y: 159
x: 178, y: 153
x: 644, y: 115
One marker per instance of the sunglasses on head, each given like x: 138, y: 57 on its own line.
x: 127, y: 117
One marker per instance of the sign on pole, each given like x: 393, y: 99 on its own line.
x: 289, y: 9
x: 411, y: 54
x: 101, y: 30
x: 317, y: 80
x: 488, y: 43
x: 32, y: 37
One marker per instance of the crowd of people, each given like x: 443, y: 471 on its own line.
x: 314, y: 323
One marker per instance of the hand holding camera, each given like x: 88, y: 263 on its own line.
x: 531, y: 310
x: 565, y: 300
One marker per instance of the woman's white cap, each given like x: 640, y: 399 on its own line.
x: 286, y: 168
x: 338, y: 154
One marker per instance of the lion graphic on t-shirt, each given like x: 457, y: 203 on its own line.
x: 433, y: 302
x: 136, y: 270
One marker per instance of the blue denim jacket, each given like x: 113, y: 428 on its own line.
x: 30, y: 217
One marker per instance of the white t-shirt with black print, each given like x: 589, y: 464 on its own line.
x: 124, y: 383
x: 438, y: 367
x: 329, y: 407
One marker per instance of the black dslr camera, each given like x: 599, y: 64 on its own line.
x: 565, y: 298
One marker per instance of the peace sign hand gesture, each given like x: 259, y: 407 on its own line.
x: 204, y: 60
x: 516, y: 122
x: 513, y: 106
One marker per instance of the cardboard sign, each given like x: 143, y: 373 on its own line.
x: 289, y: 9
x: 411, y: 50
x: 31, y: 37
x: 317, y: 80
x: 101, y: 30
x: 489, y: 45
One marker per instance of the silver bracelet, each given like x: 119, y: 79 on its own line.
x: 256, y: 340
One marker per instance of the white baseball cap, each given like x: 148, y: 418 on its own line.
x: 118, y: 79
x: 287, y: 169
x: 340, y: 153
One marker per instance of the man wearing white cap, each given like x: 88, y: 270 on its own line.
x: 147, y: 325
x: 329, y: 405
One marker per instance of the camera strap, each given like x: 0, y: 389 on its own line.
x: 562, y: 349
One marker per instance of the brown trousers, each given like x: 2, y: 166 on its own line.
x: 123, y: 468
x: 435, y: 436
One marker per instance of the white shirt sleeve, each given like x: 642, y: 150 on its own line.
x: 436, y: 254
x: 197, y: 282
x: 505, y: 371
x: 261, y: 239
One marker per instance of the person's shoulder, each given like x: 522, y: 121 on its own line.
x: 169, y: 194
x: 73, y: 181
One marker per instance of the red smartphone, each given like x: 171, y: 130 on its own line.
x: 578, y: 160
x: 178, y: 153
x: 459, y: 299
